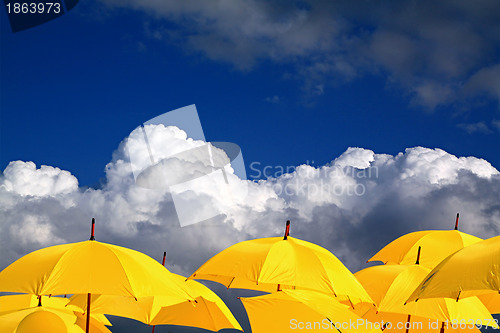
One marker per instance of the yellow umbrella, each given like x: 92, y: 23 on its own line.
x: 217, y: 314
x: 390, y: 285
x: 438, y: 244
x: 21, y: 313
x: 303, y: 310
x: 491, y: 301
x: 474, y: 270
x: 273, y: 264
x: 11, y: 303
x: 90, y: 267
x: 207, y: 311
x: 39, y: 321
x: 201, y: 313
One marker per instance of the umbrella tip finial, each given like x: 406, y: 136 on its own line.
x: 92, y: 230
x: 164, y: 257
x: 287, y: 230
x: 418, y: 256
x: 456, y: 222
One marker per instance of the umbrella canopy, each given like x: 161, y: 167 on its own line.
x: 438, y: 245
x: 302, y: 310
x: 491, y: 301
x: 90, y: 267
x: 276, y: 263
x: 201, y: 313
x: 390, y: 286
x: 44, y: 320
x: 21, y: 313
x: 11, y: 303
x: 207, y: 311
x: 474, y: 270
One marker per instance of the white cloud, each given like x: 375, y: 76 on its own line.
x: 25, y: 179
x: 355, y: 157
x: 352, y: 206
x: 33, y: 230
x: 437, y: 166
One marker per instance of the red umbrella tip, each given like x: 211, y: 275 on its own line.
x: 92, y: 230
x: 287, y: 230
x: 164, y: 257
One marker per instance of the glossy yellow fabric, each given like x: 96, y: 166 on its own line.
x: 123, y: 306
x: 391, y: 285
x: 302, y: 311
x: 41, y: 322
x: 207, y: 311
x: 436, y: 245
x: 200, y: 313
x: 90, y: 267
x: 491, y: 301
x: 216, y: 308
x: 22, y: 310
x: 474, y: 270
x: 268, y: 263
x: 16, y: 302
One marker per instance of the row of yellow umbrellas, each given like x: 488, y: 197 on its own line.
x: 301, y: 275
x: 108, y: 273
x: 437, y: 245
x: 472, y: 271
x: 391, y: 286
x: 308, y: 283
x: 305, y: 280
x: 206, y: 311
x: 394, y: 284
x: 276, y: 263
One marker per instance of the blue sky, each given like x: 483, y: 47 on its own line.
x: 74, y: 87
x: 291, y: 83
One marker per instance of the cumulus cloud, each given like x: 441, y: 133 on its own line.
x: 26, y: 179
x: 352, y: 205
x: 438, y: 52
